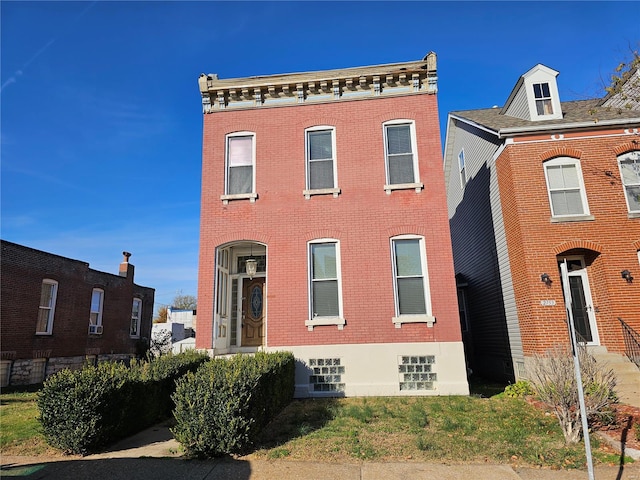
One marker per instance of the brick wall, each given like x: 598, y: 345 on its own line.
x: 609, y: 242
x: 362, y: 218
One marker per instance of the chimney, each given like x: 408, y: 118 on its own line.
x: 126, y: 269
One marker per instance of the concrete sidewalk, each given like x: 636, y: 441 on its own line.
x: 155, y: 454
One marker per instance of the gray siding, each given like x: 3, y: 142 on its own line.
x: 519, y: 107
x: 480, y: 252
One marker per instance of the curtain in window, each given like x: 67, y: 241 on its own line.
x: 409, y: 280
x: 399, y: 154
x: 564, y: 186
x: 324, y: 281
x: 240, y: 160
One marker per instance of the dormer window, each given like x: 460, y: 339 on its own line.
x: 535, y: 97
x: 543, y: 98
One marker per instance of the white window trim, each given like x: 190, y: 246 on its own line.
x: 416, y: 184
x: 139, y: 319
x: 98, y: 323
x: 318, y: 321
x: 621, y: 158
x: 558, y: 161
x: 52, y: 307
x: 427, y: 318
x: 462, y: 168
x: 308, y: 192
x: 251, y: 196
x: 543, y: 76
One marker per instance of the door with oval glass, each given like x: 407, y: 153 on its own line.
x: 584, y: 315
x: 252, y: 312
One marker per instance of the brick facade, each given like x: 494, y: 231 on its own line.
x: 362, y: 218
x: 609, y: 242
x: 23, y: 271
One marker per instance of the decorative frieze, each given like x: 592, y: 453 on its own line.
x: 319, y: 87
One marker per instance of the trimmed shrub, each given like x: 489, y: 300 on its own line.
x: 223, y: 407
x: 83, y: 410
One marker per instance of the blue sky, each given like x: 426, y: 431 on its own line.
x: 101, y: 120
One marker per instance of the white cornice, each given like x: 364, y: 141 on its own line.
x: 318, y: 87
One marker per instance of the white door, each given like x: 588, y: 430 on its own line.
x: 584, y: 316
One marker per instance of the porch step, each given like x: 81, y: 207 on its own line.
x: 627, y: 375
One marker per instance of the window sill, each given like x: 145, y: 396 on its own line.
x: 633, y: 215
x: 404, y: 186
x: 321, y: 321
x: 321, y: 191
x: 428, y: 319
x: 46, y: 334
x: 238, y: 196
x: 573, y: 218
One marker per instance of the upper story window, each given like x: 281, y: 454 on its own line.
x: 95, y: 317
x: 321, y: 161
x: 411, y: 291
x: 325, y: 291
x: 463, y: 171
x: 542, y: 95
x: 565, y: 187
x: 240, y: 179
x: 48, y: 294
x: 136, y: 316
x: 401, y: 160
x: 630, y: 175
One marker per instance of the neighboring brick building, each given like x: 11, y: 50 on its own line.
x: 330, y: 185
x: 529, y: 185
x: 58, y: 313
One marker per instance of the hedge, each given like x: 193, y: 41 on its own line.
x: 83, y: 410
x: 222, y: 408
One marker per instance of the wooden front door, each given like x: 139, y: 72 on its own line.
x: 252, y: 312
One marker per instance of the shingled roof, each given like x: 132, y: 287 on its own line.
x: 575, y: 114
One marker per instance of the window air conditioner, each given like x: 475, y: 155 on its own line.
x: 95, y: 329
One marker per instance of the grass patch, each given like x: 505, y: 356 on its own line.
x: 441, y: 429
x: 19, y: 426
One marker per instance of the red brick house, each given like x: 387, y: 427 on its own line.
x: 324, y: 229
x: 58, y: 313
x: 530, y: 185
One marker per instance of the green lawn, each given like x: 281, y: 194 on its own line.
x: 19, y: 427
x: 442, y: 429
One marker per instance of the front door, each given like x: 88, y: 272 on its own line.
x: 252, y: 312
x: 584, y: 317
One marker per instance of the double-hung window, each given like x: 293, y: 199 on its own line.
x: 47, y: 308
x: 240, y: 166
x: 136, y: 315
x: 325, y: 290
x: 411, y: 286
x: 95, y: 317
x: 401, y: 160
x: 321, y: 161
x: 565, y: 188
x: 630, y: 175
x: 542, y: 95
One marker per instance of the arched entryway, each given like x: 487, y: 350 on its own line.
x: 240, y: 310
x: 580, y: 266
